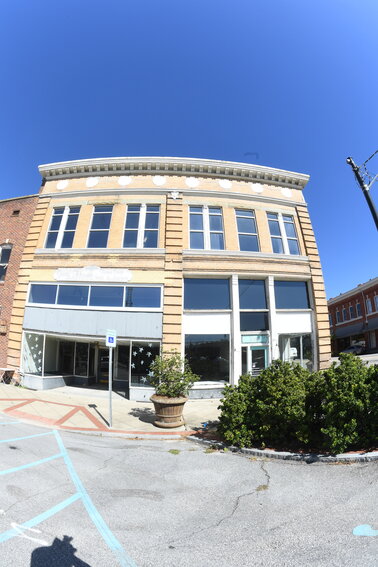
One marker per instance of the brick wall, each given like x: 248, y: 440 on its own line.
x: 14, y: 227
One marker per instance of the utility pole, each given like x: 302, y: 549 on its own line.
x: 365, y: 188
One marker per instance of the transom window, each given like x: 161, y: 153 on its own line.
x: 141, y: 226
x: 291, y: 295
x: 283, y: 234
x: 206, y: 228
x: 247, y: 230
x: 206, y: 294
x: 98, y: 235
x: 5, y: 252
x: 62, y: 227
x: 127, y: 297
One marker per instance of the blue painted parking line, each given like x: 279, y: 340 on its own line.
x: 365, y: 530
x: 95, y: 516
x: 29, y: 465
x: 40, y: 518
x: 25, y: 437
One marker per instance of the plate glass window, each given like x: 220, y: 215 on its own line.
x: 291, y: 295
x: 141, y: 226
x: 206, y: 294
x: 297, y: 348
x: 209, y: 356
x: 98, y: 235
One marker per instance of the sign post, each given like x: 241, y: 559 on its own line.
x: 111, y: 341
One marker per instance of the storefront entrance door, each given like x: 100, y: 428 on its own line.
x: 254, y: 359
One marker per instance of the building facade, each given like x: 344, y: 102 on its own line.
x: 15, y: 218
x: 216, y: 260
x: 353, y: 318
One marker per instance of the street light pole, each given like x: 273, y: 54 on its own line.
x: 365, y: 189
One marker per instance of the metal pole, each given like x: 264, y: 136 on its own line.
x: 110, y: 385
x: 365, y: 189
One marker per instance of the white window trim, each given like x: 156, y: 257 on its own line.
x: 284, y: 237
x: 89, y: 307
x: 141, y: 225
x: 100, y: 229
x: 62, y: 228
x: 247, y: 233
x: 206, y: 227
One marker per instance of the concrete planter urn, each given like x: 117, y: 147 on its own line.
x: 171, y: 377
x: 168, y: 411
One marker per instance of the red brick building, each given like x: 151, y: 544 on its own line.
x: 15, y: 218
x: 354, y: 317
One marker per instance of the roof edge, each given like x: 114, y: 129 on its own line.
x: 353, y: 291
x: 174, y: 166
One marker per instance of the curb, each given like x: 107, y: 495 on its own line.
x: 308, y: 458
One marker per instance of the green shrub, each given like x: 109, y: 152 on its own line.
x: 370, y: 425
x: 345, y: 402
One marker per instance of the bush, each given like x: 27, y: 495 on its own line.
x: 287, y: 406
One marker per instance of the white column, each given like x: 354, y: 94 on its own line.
x: 235, y: 332
x: 274, y: 347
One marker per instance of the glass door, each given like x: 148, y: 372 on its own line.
x: 254, y: 359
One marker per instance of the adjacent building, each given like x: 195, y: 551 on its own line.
x: 15, y: 217
x: 353, y: 317
x: 214, y: 259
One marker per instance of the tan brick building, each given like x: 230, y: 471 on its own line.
x: 214, y: 259
x: 15, y: 217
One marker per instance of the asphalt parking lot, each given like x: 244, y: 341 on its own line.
x: 99, y: 502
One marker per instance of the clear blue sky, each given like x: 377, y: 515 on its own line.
x: 292, y: 80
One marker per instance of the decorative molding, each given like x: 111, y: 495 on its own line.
x: 99, y: 251
x: 162, y: 166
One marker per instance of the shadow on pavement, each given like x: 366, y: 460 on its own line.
x: 60, y: 554
x: 143, y: 414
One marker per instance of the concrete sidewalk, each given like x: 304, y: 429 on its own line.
x: 87, y: 410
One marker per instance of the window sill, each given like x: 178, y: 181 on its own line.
x: 102, y: 251
x: 242, y: 254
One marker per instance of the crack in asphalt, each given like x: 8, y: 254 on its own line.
x: 235, y: 507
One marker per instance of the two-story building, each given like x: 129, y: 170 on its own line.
x: 353, y: 317
x: 214, y: 259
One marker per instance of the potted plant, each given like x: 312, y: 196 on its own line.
x: 171, y: 376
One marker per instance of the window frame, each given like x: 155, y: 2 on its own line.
x: 62, y: 227
x: 256, y: 234
x: 90, y: 307
x: 358, y: 309
x: 205, y: 231
x: 369, y: 306
x: 352, y: 312
x: 308, y: 296
x: 5, y: 265
x: 143, y: 212
x: 376, y: 302
x: 283, y: 236
x: 94, y: 212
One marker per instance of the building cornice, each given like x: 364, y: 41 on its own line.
x: 361, y: 287
x: 193, y: 167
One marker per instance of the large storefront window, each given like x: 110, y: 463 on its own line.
x: 291, y: 295
x: 297, y: 348
x: 206, y: 294
x: 209, y: 356
x: 142, y: 354
x: 33, y: 354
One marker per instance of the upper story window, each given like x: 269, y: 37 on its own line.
x: 206, y: 228
x: 338, y: 316
x: 358, y: 307
x: 129, y: 297
x: 291, y: 295
x: 5, y: 252
x: 283, y: 234
x: 247, y: 230
x: 352, y: 312
x: 201, y: 293
x: 141, y: 226
x: 330, y: 319
x: 376, y: 302
x: 62, y: 227
x: 344, y: 314
x: 98, y: 235
x: 369, y: 308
